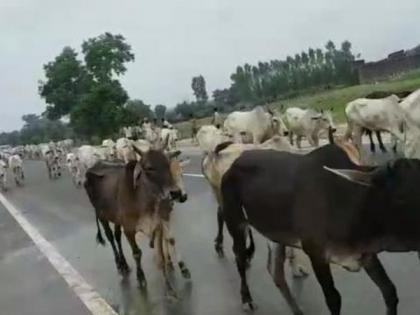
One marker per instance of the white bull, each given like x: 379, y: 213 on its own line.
x: 258, y: 123
x: 308, y: 123
x: 16, y: 166
x: 208, y: 137
x: 374, y: 115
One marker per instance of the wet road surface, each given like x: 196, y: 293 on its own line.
x: 63, y: 215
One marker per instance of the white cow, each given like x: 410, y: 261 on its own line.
x: 410, y: 109
x: 53, y: 162
x: 208, y: 137
x: 170, y: 135
x: 3, y: 175
x: 75, y: 169
x: 109, y: 149
x: 308, y: 123
x: 125, y: 151
x: 259, y: 123
x: 16, y: 166
x: 375, y: 115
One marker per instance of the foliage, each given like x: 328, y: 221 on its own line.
x: 37, y: 129
x: 315, y: 68
x: 160, y: 111
x: 136, y: 110
x: 88, y: 91
x: 198, y: 85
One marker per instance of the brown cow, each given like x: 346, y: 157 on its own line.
x: 139, y: 197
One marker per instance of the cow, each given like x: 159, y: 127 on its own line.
x: 16, y: 166
x: 52, y: 160
x: 260, y: 123
x: 367, y: 115
x: 172, y: 135
x: 308, y: 123
x: 208, y: 137
x: 3, y: 175
x: 138, y: 196
x: 215, y: 164
x: 75, y: 169
x: 334, y: 209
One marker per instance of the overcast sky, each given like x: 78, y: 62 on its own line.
x: 174, y: 40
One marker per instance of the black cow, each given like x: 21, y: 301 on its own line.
x: 333, y: 209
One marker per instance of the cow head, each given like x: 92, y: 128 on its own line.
x: 277, y: 123
x: 162, y: 170
x: 325, y: 120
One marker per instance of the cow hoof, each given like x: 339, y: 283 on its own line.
x: 124, y: 270
x: 219, y: 250
x: 186, y: 273
x: 300, y: 272
x: 249, y: 306
x: 142, y: 284
x: 172, y: 296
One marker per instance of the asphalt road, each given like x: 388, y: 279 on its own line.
x: 63, y: 215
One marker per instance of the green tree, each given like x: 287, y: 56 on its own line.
x: 198, y: 85
x: 160, y: 111
x: 89, y: 92
x: 66, y: 82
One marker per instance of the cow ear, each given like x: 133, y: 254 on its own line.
x: 359, y: 177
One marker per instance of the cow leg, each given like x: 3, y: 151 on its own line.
x: 123, y: 266
x: 381, y: 144
x: 377, y: 274
x: 323, y: 274
x: 110, y: 237
x: 298, y: 141
x: 357, y: 137
x: 131, y: 238
x: 239, y: 248
x: 277, y: 272
x: 177, y: 258
x: 219, y: 238
x: 291, y: 137
x: 372, y: 143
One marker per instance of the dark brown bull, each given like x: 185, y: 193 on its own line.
x: 139, y: 198
x: 335, y: 210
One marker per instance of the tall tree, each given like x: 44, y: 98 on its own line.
x: 66, y: 82
x: 160, y: 111
x: 198, y: 85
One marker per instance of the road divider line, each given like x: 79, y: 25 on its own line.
x: 89, y: 297
x: 193, y: 175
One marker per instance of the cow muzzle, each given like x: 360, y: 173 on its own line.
x: 179, y: 196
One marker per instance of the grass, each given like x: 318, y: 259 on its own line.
x: 339, y: 97
x: 335, y: 98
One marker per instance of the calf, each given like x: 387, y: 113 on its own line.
x: 334, y: 209
x: 16, y: 166
x: 138, y: 196
x: 53, y: 163
x: 308, y: 123
x: 75, y: 169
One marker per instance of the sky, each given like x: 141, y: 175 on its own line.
x: 174, y: 40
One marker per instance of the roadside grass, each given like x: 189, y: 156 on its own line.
x: 336, y: 98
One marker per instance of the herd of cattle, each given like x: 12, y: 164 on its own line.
x: 326, y: 202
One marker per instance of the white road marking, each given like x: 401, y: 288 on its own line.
x: 193, y: 175
x: 90, y: 298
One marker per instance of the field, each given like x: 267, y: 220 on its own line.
x: 335, y: 98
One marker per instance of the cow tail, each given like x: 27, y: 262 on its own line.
x: 251, y: 248
x: 99, y: 237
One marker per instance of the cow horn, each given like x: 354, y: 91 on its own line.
x: 359, y: 177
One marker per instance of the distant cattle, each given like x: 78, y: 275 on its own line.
x: 138, y: 196
x: 52, y: 160
x: 261, y: 124
x: 75, y: 169
x: 337, y: 211
x: 171, y: 135
x: 374, y: 115
x: 16, y: 166
x: 308, y: 123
